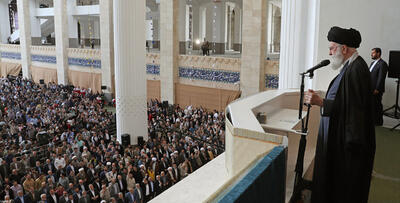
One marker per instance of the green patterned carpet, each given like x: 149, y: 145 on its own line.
x: 385, y: 184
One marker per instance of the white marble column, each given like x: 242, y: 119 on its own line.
x: 216, y: 26
x: 182, y: 26
x: 196, y: 25
x: 252, y: 73
x: 237, y: 41
x: 62, y: 42
x: 4, y: 22
x: 107, y: 46
x: 130, y: 71
x: 169, y: 49
x: 156, y: 33
x: 298, y: 41
x: 35, y: 24
x: 25, y: 36
x: 72, y: 25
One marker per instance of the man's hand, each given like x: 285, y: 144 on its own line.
x: 313, y: 98
x: 375, y: 92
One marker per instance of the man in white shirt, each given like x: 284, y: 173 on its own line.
x: 59, y: 162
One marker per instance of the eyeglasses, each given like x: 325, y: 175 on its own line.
x: 332, y: 48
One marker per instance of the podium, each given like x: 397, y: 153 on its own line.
x: 280, y: 108
x: 259, y: 153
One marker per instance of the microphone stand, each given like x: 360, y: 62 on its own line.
x: 299, y: 182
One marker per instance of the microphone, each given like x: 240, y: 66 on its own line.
x: 320, y: 65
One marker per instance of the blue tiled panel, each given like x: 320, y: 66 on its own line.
x: 84, y: 62
x: 153, y: 69
x: 11, y: 55
x: 271, y: 81
x: 265, y: 182
x: 44, y: 59
x: 53, y: 59
x: 210, y: 75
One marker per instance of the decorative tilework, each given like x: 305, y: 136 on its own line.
x: 53, y: 59
x: 44, y: 59
x: 84, y: 62
x: 11, y: 55
x: 271, y: 81
x: 153, y: 69
x: 210, y: 75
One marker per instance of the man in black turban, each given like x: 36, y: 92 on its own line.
x: 346, y: 140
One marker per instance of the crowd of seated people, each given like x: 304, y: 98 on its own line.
x: 59, y: 145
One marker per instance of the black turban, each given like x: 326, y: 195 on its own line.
x: 349, y: 37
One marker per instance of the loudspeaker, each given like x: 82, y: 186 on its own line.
x: 394, y: 64
x: 140, y: 141
x: 41, y: 81
x: 70, y: 87
x: 165, y: 104
x: 126, y: 140
x: 43, y: 138
x: 103, y: 87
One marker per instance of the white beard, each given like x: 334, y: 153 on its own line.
x: 337, y: 60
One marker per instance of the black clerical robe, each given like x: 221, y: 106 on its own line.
x: 345, y: 173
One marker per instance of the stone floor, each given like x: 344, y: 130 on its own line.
x: 385, y: 183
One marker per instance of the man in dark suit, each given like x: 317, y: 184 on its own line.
x: 138, y: 193
x: 94, y: 194
x: 33, y: 159
x: 158, y: 186
x: 64, y: 197
x: 49, y: 166
x: 91, y: 173
x: 21, y: 198
x: 52, y: 197
x: 130, y: 196
x: 378, y: 71
x: 122, y: 184
x: 85, y: 198
x: 7, y: 191
x: 40, y: 169
x: 5, y: 169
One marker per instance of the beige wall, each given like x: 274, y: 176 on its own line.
x: 209, y: 98
x: 378, y: 23
x: 85, y: 80
x: 153, y: 90
x: 47, y: 74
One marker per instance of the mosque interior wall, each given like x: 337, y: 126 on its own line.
x: 378, y: 23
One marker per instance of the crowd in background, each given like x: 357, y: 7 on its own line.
x: 58, y: 144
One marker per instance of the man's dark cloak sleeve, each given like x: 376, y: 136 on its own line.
x: 351, y: 138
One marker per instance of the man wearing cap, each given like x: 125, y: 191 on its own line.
x: 346, y: 140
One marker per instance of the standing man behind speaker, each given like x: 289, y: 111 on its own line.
x: 378, y: 71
